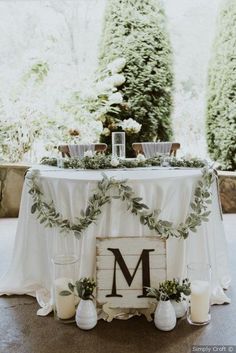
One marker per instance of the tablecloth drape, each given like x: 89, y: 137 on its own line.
x: 167, y: 189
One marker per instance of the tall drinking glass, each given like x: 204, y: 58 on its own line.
x: 118, y: 144
x: 65, y: 270
x: 199, y: 275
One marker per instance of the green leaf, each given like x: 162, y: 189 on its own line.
x: 71, y: 287
x: 65, y: 293
x: 34, y: 208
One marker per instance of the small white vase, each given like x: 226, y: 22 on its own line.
x: 164, y: 317
x: 179, y: 307
x: 86, y: 315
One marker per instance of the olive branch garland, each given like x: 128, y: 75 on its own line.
x: 50, y: 217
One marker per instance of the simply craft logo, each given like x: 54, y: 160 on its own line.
x: 214, y: 348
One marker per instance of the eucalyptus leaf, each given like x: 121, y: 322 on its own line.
x: 34, y: 208
x: 65, y: 293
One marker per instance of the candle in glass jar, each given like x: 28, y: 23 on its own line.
x: 200, y: 301
x: 65, y: 304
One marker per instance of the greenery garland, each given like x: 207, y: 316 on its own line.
x: 50, y: 217
x: 101, y: 161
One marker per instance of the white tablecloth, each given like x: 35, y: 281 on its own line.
x: 169, y: 190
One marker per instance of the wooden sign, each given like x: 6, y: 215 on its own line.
x: 125, y: 266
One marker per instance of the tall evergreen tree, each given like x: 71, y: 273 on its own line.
x: 136, y: 31
x: 221, y: 108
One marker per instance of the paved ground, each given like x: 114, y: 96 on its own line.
x: 21, y: 331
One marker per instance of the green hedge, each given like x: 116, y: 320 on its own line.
x: 221, y: 107
x: 136, y: 30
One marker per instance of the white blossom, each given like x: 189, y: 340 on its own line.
x: 140, y: 157
x: 89, y: 154
x: 106, y: 132
x: 104, y: 86
x: 115, y: 162
x: 116, y: 80
x: 117, y: 65
x: 130, y: 126
x: 115, y: 98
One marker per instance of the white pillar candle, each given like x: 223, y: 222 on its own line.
x: 200, y: 301
x: 65, y: 304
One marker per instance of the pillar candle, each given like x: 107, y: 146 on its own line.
x: 200, y: 300
x: 65, y: 304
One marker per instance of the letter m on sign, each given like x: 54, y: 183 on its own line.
x: 125, y: 266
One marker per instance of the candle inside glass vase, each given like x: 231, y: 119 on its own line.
x: 65, y: 304
x: 65, y: 271
x: 199, y: 306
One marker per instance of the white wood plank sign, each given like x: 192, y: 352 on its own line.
x: 125, y: 266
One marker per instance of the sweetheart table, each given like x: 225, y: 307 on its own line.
x: 169, y: 190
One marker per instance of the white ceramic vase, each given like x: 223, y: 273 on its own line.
x: 179, y: 307
x: 164, y: 317
x: 86, y: 315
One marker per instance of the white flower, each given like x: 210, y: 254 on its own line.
x: 115, y: 98
x: 117, y: 65
x: 140, y: 157
x: 130, y: 126
x: 88, y: 153
x: 112, y: 81
x: 106, y: 132
x: 116, y: 80
x: 115, y: 162
x: 104, y: 86
x: 101, y: 117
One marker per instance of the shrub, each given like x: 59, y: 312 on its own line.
x: 221, y: 105
x: 135, y: 30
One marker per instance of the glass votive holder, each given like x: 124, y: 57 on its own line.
x: 60, y: 162
x: 118, y: 144
x: 165, y: 159
x: 65, y: 271
x: 198, y: 312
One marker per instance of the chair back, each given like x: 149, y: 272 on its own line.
x: 80, y: 149
x: 156, y: 147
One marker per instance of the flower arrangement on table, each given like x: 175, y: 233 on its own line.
x: 174, y: 291
x: 101, y: 161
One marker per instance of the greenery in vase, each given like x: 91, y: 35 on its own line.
x: 171, y: 290
x: 221, y: 106
x: 84, y: 288
x: 136, y: 31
